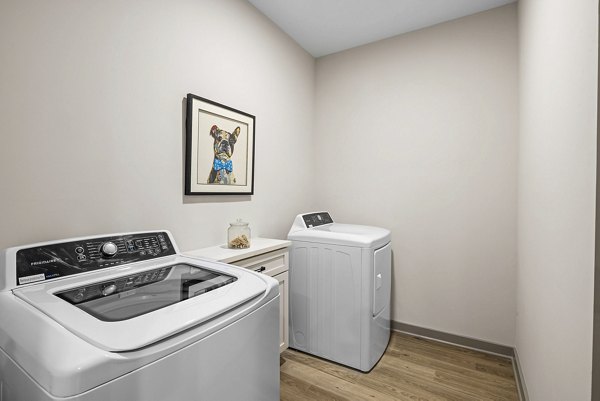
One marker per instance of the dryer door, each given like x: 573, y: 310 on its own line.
x: 382, y: 280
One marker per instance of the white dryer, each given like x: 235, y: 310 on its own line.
x: 126, y: 317
x: 340, y: 284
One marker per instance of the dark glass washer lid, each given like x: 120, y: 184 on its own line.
x: 134, y: 295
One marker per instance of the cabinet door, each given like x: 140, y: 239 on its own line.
x: 283, y: 310
x: 274, y: 264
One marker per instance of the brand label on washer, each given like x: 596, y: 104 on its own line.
x: 31, y: 279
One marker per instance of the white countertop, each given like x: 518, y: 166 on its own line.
x: 222, y: 253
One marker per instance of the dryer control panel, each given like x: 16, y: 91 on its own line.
x: 62, y: 259
x: 316, y: 219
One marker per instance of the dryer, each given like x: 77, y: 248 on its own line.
x: 340, y: 285
x: 126, y: 317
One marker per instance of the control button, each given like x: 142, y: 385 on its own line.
x: 79, y: 249
x: 143, y: 253
x: 109, y: 289
x: 109, y: 249
x: 138, y: 243
x: 81, y: 257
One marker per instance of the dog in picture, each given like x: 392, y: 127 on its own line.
x: 222, y: 168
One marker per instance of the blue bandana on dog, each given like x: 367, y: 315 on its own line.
x: 221, y: 165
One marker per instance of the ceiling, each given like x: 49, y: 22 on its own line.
x: 323, y: 27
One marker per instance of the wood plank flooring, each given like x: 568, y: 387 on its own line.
x: 412, y: 368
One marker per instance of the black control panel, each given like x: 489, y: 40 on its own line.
x: 67, y: 258
x: 317, y: 219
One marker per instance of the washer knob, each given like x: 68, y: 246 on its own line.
x: 109, y: 249
x: 109, y: 289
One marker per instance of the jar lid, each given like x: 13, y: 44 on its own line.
x: 238, y: 222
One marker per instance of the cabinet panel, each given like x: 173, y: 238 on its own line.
x: 283, y: 310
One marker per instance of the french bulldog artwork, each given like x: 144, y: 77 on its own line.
x: 223, y: 146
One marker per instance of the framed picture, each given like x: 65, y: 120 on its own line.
x: 219, y: 150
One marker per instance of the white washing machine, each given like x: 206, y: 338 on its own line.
x: 340, y: 284
x: 126, y: 317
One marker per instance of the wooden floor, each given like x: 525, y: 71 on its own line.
x: 412, y: 368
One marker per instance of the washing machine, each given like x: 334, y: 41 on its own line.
x: 340, y: 285
x: 127, y: 317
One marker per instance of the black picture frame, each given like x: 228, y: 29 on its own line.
x: 219, y: 149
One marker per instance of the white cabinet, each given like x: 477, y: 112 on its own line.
x: 267, y: 256
x: 275, y: 264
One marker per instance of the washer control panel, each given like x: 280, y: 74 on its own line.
x: 316, y: 219
x: 73, y: 257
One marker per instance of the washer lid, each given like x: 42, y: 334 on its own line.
x: 130, y: 319
x: 344, y: 234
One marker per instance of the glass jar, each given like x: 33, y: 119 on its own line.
x: 238, y: 235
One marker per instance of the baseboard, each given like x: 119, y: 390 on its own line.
x: 455, y: 339
x: 468, y: 342
x: 519, y: 376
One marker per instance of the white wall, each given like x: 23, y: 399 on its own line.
x: 557, y: 185
x: 418, y: 133
x: 92, y: 117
